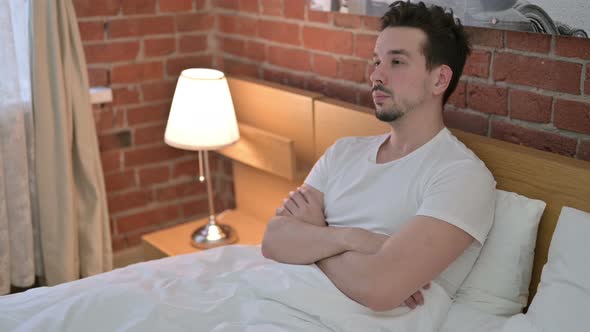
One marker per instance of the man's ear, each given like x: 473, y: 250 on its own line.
x: 442, y: 78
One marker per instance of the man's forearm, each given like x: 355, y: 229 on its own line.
x: 290, y: 241
x: 352, y: 273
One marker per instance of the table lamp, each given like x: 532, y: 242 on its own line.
x: 202, y: 118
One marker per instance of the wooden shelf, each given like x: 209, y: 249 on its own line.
x: 176, y: 240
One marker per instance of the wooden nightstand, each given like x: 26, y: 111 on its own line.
x: 176, y: 240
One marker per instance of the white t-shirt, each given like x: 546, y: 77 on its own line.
x: 441, y: 179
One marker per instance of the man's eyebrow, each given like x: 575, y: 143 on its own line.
x: 396, y: 52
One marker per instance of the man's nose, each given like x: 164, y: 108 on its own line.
x: 377, y: 76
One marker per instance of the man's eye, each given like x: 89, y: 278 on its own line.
x: 395, y: 62
x: 376, y: 63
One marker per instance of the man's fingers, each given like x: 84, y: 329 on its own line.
x: 297, y: 198
x: 410, y: 302
x: 282, y: 212
x: 418, y: 298
x: 289, y: 205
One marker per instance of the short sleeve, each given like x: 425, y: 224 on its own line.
x: 462, y: 194
x: 318, y: 176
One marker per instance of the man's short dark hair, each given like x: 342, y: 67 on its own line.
x: 446, y: 40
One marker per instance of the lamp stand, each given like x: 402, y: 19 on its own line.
x: 211, y: 234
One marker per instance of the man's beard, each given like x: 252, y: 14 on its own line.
x: 391, y: 114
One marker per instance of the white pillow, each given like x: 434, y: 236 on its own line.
x: 562, y: 302
x: 499, y: 281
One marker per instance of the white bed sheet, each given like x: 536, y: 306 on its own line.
x: 231, y: 288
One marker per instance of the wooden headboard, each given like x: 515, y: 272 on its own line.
x: 283, y: 122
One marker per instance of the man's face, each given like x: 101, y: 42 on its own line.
x: 400, y: 79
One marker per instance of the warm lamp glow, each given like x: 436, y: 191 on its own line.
x: 202, y: 115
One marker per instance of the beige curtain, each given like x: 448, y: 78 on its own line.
x: 17, y: 194
x: 73, y: 219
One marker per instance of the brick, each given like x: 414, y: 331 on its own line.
x: 114, y: 141
x: 119, y: 181
x: 233, y: 45
x: 227, y: 4
x: 181, y: 191
x: 239, y: 68
x: 159, y: 46
x: 147, y: 135
x: 163, y: 90
x: 194, y: 22
x: 334, y: 90
x: 98, y: 77
x: 318, y: 16
x: 572, y: 115
x: 174, y: 66
x: 530, y: 106
x: 86, y: 8
x: 473, y: 123
x: 584, y: 150
x: 478, y: 64
x: 334, y: 41
x: 111, y: 161
x: 353, y: 70
x: 137, y: 72
x: 148, y: 114
x: 108, y: 118
x: 186, y: 169
x: 289, y: 58
x: 587, y: 82
x: 325, y: 65
x: 189, y: 44
x: 487, y: 98
x: 111, y: 52
x: 372, y: 23
x: 284, y: 78
x: 529, y: 42
x: 147, y: 218
x: 200, y: 4
x: 458, y: 97
x: 364, y: 45
x: 137, y: 27
x: 538, y: 72
x: 572, y: 47
x: 91, y: 30
x: 153, y: 175
x: 119, y: 202
x: 195, y: 208
x: 132, y: 7
x: 125, y: 96
x: 294, y: 9
x: 486, y: 37
x: 279, y: 32
x: 347, y: 21
x: 537, y: 139
x: 238, y: 25
x: 272, y: 7
x: 255, y: 51
x: 176, y: 5
x: 248, y: 6
x: 149, y: 155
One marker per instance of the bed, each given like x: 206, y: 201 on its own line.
x: 283, y: 131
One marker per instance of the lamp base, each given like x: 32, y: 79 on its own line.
x: 213, y: 235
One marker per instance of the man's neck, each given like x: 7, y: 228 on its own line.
x: 409, y: 133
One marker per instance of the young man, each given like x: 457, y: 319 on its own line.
x: 384, y: 216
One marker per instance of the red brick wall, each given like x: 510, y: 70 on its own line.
x: 529, y: 89
x: 138, y: 48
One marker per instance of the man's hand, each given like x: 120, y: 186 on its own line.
x: 417, y: 298
x: 305, y: 204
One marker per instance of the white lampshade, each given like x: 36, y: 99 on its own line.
x: 202, y: 115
